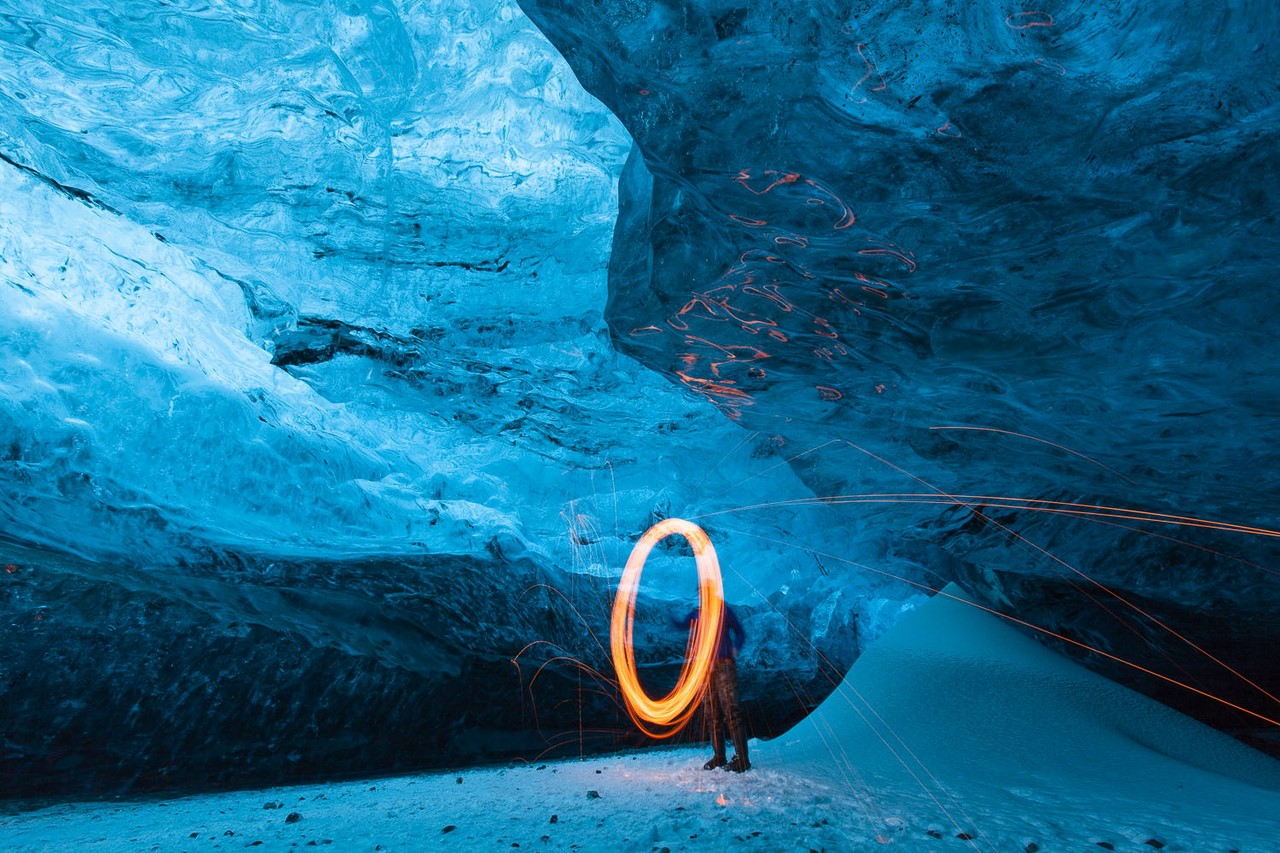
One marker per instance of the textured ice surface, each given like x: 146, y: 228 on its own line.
x: 328, y: 330
x: 303, y: 279
x: 971, y: 248
x: 311, y: 168
x: 307, y: 388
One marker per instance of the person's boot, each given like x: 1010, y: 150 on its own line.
x: 737, y: 731
x: 717, y: 744
x: 740, y: 761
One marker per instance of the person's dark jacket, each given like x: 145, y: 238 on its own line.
x: 732, y: 636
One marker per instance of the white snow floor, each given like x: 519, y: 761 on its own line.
x: 954, y: 733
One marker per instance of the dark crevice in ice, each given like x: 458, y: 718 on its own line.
x: 69, y: 191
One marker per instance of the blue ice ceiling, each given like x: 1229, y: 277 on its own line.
x: 337, y: 327
x: 315, y: 279
x: 972, y: 249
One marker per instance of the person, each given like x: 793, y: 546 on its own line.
x: 720, y: 704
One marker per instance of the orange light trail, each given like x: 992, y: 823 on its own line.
x: 1056, y: 66
x: 1027, y: 20
x: 986, y: 502
x: 1108, y: 590
x: 1041, y: 440
x: 1034, y: 627
x: 673, y: 711
x: 883, y: 247
x: 1028, y: 504
x: 869, y: 71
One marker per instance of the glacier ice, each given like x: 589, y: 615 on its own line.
x: 307, y: 387
x: 347, y: 347
x: 337, y: 291
x: 952, y: 252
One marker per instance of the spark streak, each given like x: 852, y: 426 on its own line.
x: 1015, y: 503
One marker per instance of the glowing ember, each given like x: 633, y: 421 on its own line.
x: 671, y: 712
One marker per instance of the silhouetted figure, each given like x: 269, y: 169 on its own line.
x: 721, y: 705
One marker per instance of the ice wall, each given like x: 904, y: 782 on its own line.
x: 302, y: 348
x: 302, y: 278
x: 976, y: 249
x: 346, y: 348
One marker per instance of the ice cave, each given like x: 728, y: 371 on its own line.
x: 352, y: 350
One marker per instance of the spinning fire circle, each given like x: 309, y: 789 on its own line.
x: 672, y: 711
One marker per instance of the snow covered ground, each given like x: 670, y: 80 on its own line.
x: 953, y: 732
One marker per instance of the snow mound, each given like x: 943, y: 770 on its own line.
x: 957, y: 714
